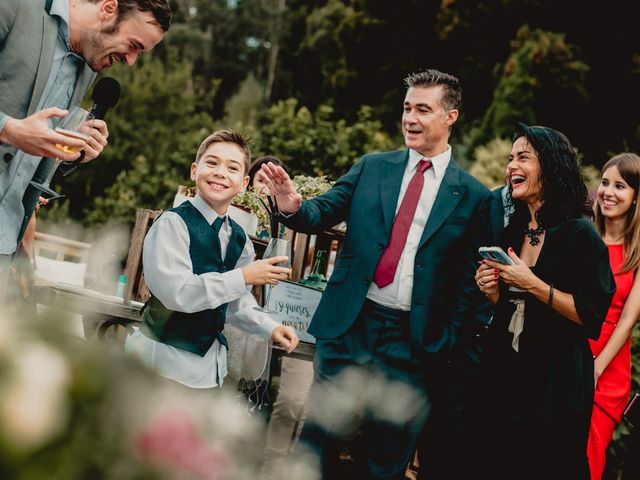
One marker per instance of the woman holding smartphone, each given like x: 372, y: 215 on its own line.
x: 617, y: 219
x: 537, y: 370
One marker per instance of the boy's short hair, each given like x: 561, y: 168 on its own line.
x: 227, y: 136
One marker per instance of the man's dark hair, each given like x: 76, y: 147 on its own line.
x: 452, y: 91
x: 160, y: 10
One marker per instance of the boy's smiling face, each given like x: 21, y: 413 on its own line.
x: 220, y: 175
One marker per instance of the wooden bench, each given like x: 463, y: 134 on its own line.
x: 61, y: 249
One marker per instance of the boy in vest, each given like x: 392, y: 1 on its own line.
x: 198, y: 264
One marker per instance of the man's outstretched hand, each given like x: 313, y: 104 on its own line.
x: 280, y: 187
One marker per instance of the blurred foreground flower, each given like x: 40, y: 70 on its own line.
x: 72, y: 409
x: 174, y: 441
x: 33, y: 402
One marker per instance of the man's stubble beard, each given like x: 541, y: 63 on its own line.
x: 95, y: 47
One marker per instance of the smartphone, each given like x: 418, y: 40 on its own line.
x: 495, y: 254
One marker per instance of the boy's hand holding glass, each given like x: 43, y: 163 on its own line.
x: 278, y: 252
x: 266, y: 271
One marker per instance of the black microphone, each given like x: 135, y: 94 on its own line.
x: 105, y: 95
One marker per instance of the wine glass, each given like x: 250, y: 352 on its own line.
x: 77, y: 124
x: 277, y: 247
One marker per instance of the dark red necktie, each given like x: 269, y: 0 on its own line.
x: 388, y: 264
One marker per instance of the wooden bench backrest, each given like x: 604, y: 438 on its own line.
x: 61, y: 249
x: 136, y: 288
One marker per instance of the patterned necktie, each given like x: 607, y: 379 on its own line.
x: 388, y: 264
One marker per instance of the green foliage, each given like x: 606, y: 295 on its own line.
x: 591, y: 176
x: 538, y: 57
x: 306, y: 186
x: 331, y: 29
x: 251, y: 200
x: 310, y: 187
x: 491, y: 162
x: 247, y: 104
x: 315, y: 144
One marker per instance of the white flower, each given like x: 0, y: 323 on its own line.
x: 33, y: 404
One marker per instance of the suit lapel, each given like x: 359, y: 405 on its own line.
x: 391, y: 173
x: 85, y: 77
x: 449, y: 195
x: 497, y: 214
x: 47, y: 47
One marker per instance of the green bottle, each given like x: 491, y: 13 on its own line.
x: 316, y: 278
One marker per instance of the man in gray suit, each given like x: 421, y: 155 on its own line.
x: 402, y: 286
x: 50, y: 51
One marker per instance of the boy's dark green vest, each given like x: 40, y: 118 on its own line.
x: 196, y: 332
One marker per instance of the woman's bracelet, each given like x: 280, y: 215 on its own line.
x: 550, y: 302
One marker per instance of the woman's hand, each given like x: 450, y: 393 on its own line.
x: 487, y: 281
x: 517, y: 275
x: 598, y: 368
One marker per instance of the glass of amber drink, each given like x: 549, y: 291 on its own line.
x: 77, y: 124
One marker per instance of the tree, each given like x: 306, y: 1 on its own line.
x: 541, y: 68
x: 315, y: 143
x: 491, y: 162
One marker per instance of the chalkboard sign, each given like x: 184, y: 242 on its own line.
x: 295, y: 305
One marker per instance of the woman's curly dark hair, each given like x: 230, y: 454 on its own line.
x: 564, y: 194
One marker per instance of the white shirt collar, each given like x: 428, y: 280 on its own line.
x: 207, y: 212
x: 439, y: 162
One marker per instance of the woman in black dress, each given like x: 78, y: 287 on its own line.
x: 537, y: 372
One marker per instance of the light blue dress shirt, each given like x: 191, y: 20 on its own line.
x: 58, y: 91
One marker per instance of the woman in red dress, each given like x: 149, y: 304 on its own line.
x: 618, y: 222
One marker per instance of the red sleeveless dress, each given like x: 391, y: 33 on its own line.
x: 614, y: 385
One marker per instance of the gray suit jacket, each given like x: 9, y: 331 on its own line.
x: 444, y: 295
x: 28, y: 36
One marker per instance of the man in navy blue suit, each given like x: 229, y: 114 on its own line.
x: 402, y: 285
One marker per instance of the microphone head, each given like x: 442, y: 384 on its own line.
x: 106, y: 93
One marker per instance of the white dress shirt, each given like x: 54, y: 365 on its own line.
x: 169, y: 275
x: 398, y: 293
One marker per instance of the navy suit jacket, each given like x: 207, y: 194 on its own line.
x: 444, y: 293
x: 497, y: 215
